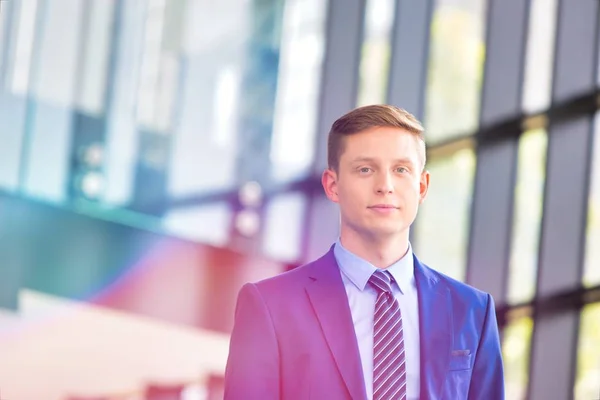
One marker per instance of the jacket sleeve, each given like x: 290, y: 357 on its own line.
x: 487, y: 381
x: 252, y: 370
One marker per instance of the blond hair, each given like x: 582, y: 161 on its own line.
x: 367, y: 117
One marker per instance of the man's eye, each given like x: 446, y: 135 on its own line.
x: 365, y: 170
x: 402, y: 170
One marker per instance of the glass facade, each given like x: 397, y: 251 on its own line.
x: 456, y: 61
x: 587, y: 383
x: 537, y: 83
x: 591, y: 274
x: 375, y: 52
x: 442, y: 226
x: 292, y: 149
x: 516, y: 347
x: 527, y: 216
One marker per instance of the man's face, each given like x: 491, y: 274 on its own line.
x: 379, y: 183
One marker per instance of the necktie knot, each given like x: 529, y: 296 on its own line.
x: 381, y: 281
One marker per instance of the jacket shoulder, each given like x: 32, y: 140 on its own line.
x: 286, y: 282
x: 461, y: 290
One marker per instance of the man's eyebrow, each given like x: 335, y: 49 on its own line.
x: 404, y: 160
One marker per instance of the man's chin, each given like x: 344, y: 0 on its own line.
x: 386, y: 231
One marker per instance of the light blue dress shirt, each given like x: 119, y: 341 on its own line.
x: 355, y: 273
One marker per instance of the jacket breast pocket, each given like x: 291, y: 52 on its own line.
x: 460, y: 360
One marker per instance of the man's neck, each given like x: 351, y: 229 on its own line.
x: 381, y: 252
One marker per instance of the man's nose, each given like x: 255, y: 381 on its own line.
x: 385, y: 183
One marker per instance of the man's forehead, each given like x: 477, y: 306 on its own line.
x: 380, y: 159
x: 351, y: 150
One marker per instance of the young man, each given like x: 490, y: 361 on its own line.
x: 367, y: 320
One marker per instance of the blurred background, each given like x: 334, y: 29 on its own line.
x: 157, y: 154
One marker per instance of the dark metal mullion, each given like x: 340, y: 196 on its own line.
x: 563, y: 221
x: 557, y: 302
x: 586, y: 207
x: 495, y: 176
x: 410, y: 40
x: 536, y: 315
x: 583, y: 102
x: 521, y: 85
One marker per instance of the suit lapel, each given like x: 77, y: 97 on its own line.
x: 330, y: 302
x: 435, y: 327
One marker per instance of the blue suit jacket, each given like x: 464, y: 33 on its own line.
x: 293, y: 338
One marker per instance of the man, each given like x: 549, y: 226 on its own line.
x: 368, y: 320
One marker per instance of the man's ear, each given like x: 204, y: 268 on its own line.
x: 329, y: 182
x: 423, y: 186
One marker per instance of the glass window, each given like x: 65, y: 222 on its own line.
x: 3, y: 40
x: 57, y: 63
x: 591, y: 273
x: 204, y: 146
x: 298, y: 88
x: 539, y: 63
x: 12, y: 120
x: 208, y: 223
x: 226, y: 99
x: 96, y: 56
x: 149, y: 74
x: 23, y: 36
x: 284, y: 219
x: 587, y: 381
x: 442, y: 226
x: 11, y: 137
x: 16, y: 46
x: 122, y: 134
x: 456, y: 60
x: 48, y: 151
x: 375, y: 57
x: 160, y: 67
x: 516, y: 350
x: 527, y: 216
x: 170, y: 68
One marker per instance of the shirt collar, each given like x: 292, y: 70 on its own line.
x: 358, y: 270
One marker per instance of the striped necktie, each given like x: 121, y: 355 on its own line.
x: 389, y: 367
